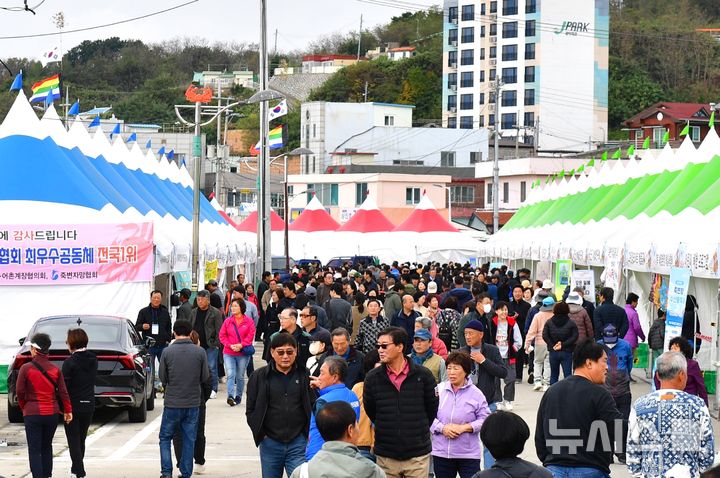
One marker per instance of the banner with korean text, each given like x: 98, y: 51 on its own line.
x: 76, y: 254
x: 676, y: 295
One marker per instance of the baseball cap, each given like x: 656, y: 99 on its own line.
x: 310, y: 291
x: 610, y: 334
x: 423, y: 334
x: 212, y: 282
x: 41, y: 342
x: 432, y: 287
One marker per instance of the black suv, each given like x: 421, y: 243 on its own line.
x: 125, y: 373
x: 354, y: 261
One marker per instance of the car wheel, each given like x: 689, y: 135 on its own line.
x: 138, y: 414
x: 14, y: 414
x: 151, y: 401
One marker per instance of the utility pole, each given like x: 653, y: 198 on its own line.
x: 496, y: 165
x: 264, y: 252
x: 536, y: 136
x: 218, y: 158
x: 366, y: 91
x: 275, y: 46
x: 197, y: 155
x: 359, y: 39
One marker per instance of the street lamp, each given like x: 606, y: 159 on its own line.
x: 449, y: 190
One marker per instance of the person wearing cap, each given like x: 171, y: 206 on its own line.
x: 183, y: 312
x: 216, y: 296
x: 547, y: 286
x: 609, y: 313
x: 207, y: 321
x: 535, y: 343
x: 587, y: 305
x: 620, y: 363
x: 488, y: 369
x: 41, y: 404
x: 580, y: 316
x: 438, y: 346
x: 423, y: 354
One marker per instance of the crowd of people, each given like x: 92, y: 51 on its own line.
x: 410, y: 371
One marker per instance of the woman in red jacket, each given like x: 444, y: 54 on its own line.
x: 237, y: 334
x: 42, y: 397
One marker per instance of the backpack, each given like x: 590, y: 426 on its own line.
x: 444, y: 329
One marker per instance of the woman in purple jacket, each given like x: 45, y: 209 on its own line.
x: 635, y: 332
x: 695, y: 381
x: 461, y: 413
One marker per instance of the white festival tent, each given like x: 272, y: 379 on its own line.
x: 56, y: 177
x: 627, y: 221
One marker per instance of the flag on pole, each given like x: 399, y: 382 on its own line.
x: 581, y: 168
x: 278, y: 111
x: 686, y: 130
x: 171, y: 154
x: 631, y: 151
x: 646, y: 143
x: 711, y: 123
x: 604, y: 156
x: 666, y: 136
x: 116, y: 130
x: 17, y: 83
x: 275, y: 141
x: 48, y: 101
x: 132, y: 137
x: 148, y: 145
x: 617, y: 154
x: 95, y: 122
x: 50, y: 56
x: 43, y: 88
x: 161, y: 151
x: 591, y: 163
x: 74, y: 109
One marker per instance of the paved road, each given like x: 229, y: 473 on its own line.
x: 117, y: 448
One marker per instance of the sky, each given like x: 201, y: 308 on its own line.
x: 298, y: 21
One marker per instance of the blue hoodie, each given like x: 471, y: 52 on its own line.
x: 333, y: 393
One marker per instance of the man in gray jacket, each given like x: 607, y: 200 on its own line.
x: 207, y: 321
x: 339, y: 311
x: 183, y: 312
x: 338, y: 457
x: 183, y: 368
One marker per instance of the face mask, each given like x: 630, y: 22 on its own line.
x: 611, y: 346
x: 487, y: 308
x: 315, y: 347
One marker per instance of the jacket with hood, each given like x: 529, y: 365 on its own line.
x: 514, y: 468
x: 466, y: 405
x: 583, y: 322
x: 79, y: 371
x: 691, y: 321
x: 656, y: 334
x: 620, y: 364
x: 560, y: 329
x: 535, y: 332
x: 635, y: 330
x: 338, y: 459
x: 462, y: 295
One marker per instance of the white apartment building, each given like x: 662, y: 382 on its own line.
x: 551, y: 57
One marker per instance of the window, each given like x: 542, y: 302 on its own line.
x: 509, y: 75
x: 509, y: 98
x: 506, y: 192
x: 529, y: 98
x: 452, y: 122
x: 482, y: 31
x: 452, y: 36
x: 481, y: 99
x: 658, y: 134
x: 466, y: 102
x: 523, y: 191
x: 509, y: 52
x: 327, y: 194
x: 510, y: 30
x: 468, y: 35
x: 482, y: 9
x: 389, y: 121
x: 277, y: 200
x: 492, y: 74
x: 361, y: 190
x: 529, y: 28
x: 493, y: 29
x: 466, y: 122
x: 475, y: 156
x: 510, y: 7
x: 481, y: 121
x: 466, y: 57
x: 452, y: 59
x: 482, y: 76
x: 491, y: 97
x: 529, y: 74
x: 447, y: 158
x: 452, y: 14
x: 452, y: 79
x: 695, y: 133
x: 452, y: 101
x: 491, y: 120
x: 310, y: 191
x: 314, y: 130
x: 489, y: 193
x: 468, y: 12
x: 466, y: 79
x: 334, y: 193
x: 412, y: 195
x: 482, y: 53
x: 493, y: 52
x: 508, y: 120
x: 529, y: 51
x: 530, y: 6
x: 462, y: 194
x: 493, y: 7
x: 529, y: 119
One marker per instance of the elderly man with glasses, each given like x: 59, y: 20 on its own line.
x: 289, y: 323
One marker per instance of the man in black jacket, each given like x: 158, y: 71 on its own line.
x: 341, y: 348
x: 399, y: 397
x: 154, y: 321
x: 279, y: 403
x: 609, y: 313
x: 488, y: 369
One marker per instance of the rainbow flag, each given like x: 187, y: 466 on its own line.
x: 275, y: 141
x: 43, y: 88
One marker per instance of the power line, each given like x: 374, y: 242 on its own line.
x: 24, y: 8
x: 97, y: 27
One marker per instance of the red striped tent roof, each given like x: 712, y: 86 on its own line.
x: 425, y: 218
x: 368, y: 219
x: 250, y: 224
x: 314, y: 218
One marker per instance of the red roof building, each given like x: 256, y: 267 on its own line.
x: 654, y: 121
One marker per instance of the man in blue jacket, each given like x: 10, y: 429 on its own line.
x: 331, y: 387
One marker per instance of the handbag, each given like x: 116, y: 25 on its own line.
x: 247, y: 349
x: 54, y: 384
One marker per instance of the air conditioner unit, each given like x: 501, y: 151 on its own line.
x: 453, y: 64
x: 493, y: 40
x: 453, y: 109
x: 493, y: 62
x: 453, y: 43
x: 453, y: 87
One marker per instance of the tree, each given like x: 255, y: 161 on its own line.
x: 630, y: 91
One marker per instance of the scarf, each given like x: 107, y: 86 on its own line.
x: 421, y: 359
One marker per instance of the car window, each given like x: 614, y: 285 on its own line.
x: 105, y: 331
x: 134, y: 337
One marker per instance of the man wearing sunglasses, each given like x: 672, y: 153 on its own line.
x: 399, y: 397
x: 279, y: 403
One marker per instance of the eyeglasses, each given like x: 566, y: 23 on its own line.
x: 306, y: 315
x: 384, y: 346
x: 283, y: 353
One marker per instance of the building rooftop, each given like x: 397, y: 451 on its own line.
x: 328, y: 57
x: 299, y: 85
x: 403, y: 48
x: 676, y: 111
x: 424, y: 170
